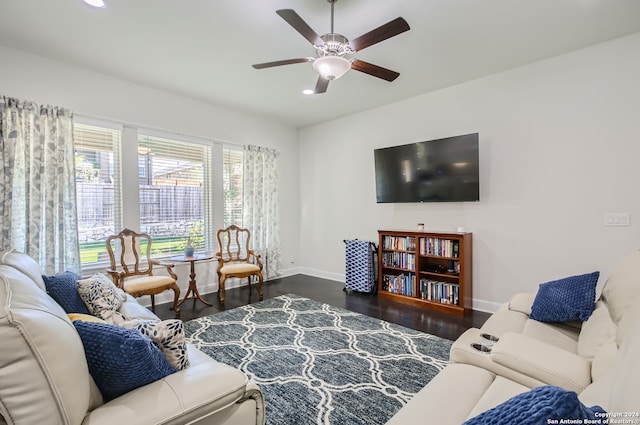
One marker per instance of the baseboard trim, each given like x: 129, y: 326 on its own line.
x: 289, y: 272
x: 322, y: 274
x: 485, y: 306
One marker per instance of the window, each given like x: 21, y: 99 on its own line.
x: 232, y: 181
x: 174, y: 200
x: 97, y: 188
x: 177, y: 182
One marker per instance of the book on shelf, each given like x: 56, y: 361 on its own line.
x: 440, y: 247
x: 400, y: 284
x: 400, y: 260
x: 400, y: 243
x: 442, y: 292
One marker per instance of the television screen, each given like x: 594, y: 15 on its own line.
x: 443, y: 170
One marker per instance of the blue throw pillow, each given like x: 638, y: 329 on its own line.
x: 568, y: 299
x: 120, y: 359
x: 62, y: 288
x: 540, y: 406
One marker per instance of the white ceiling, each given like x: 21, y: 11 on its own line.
x: 204, y: 49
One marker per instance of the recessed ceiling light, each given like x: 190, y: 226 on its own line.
x: 308, y: 91
x: 95, y: 3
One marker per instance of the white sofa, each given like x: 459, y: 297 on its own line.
x: 598, y: 359
x: 44, y: 378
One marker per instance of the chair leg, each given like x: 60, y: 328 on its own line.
x: 221, y: 289
x: 153, y: 303
x: 260, y: 279
x: 176, y: 297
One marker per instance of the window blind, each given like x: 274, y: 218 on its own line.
x: 173, y: 180
x: 98, y: 189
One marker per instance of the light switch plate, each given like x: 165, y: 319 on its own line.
x: 616, y: 219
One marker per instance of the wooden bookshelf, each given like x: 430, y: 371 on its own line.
x: 426, y: 269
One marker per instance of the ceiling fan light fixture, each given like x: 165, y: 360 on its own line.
x: 95, y: 3
x: 331, y: 67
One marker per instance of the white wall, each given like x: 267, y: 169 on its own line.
x: 559, y: 147
x: 95, y: 95
x: 559, y: 143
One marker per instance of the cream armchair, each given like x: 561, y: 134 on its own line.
x: 236, y: 259
x: 131, y: 267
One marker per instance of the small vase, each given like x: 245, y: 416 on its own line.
x: 188, y: 252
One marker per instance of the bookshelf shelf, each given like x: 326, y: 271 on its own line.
x: 427, y: 269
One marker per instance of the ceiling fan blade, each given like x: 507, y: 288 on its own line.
x: 280, y: 63
x: 375, y: 70
x: 300, y: 25
x: 321, y: 85
x: 388, y: 30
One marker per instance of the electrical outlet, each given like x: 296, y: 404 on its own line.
x: 616, y: 219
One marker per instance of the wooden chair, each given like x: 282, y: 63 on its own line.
x: 132, y: 270
x: 235, y: 259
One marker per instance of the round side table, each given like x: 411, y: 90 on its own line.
x: 192, y: 292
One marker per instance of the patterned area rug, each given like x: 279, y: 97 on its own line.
x: 318, y: 364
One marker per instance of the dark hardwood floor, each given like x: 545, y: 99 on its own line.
x: 331, y: 292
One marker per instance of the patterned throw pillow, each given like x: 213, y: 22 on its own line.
x: 542, y: 405
x: 564, y: 300
x: 168, y: 335
x: 101, y: 296
x: 62, y: 288
x: 119, y: 359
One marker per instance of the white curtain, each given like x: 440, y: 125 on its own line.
x: 261, y: 206
x: 37, y: 172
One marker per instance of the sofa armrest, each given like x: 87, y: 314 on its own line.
x: 542, y: 361
x: 187, y: 396
x: 522, y: 302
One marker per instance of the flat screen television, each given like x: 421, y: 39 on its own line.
x: 442, y: 170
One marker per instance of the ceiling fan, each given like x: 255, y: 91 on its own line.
x: 332, y: 49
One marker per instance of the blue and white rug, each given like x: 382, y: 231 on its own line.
x: 318, y: 364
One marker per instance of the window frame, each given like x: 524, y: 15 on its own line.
x: 127, y: 162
